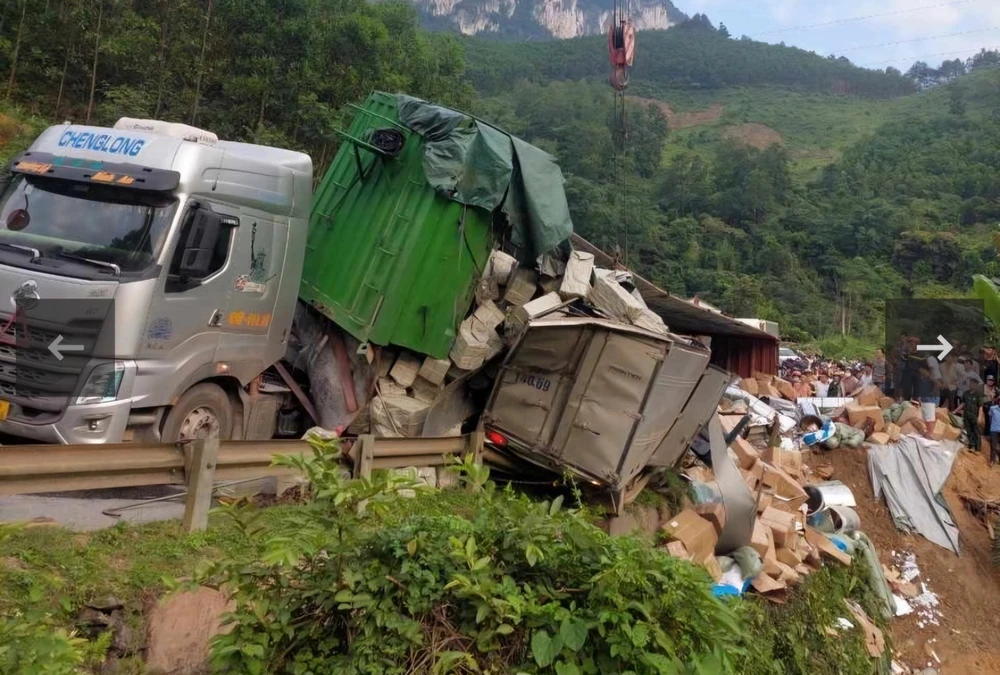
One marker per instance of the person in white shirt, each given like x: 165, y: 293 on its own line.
x: 822, y: 386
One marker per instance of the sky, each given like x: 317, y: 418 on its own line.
x: 871, y: 33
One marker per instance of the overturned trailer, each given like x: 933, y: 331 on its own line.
x: 591, y: 395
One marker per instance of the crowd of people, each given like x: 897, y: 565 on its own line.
x: 965, y: 383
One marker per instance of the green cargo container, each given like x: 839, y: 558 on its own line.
x: 398, y: 240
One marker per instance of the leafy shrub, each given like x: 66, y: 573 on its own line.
x: 518, y: 586
x: 32, y: 643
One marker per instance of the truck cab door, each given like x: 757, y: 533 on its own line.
x: 184, y: 320
x: 254, y: 280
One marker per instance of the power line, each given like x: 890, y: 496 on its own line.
x: 919, y: 39
x: 924, y: 57
x: 864, y: 18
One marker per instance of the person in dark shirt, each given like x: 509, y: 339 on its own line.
x: 991, y: 364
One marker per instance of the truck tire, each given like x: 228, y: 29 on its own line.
x: 204, y: 411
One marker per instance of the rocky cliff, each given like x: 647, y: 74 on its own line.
x: 540, y: 19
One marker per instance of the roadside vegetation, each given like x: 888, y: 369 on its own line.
x: 472, y: 579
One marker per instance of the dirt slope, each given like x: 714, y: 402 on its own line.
x: 682, y: 120
x: 757, y: 136
x: 968, y: 587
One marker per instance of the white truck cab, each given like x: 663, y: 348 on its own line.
x: 175, y: 258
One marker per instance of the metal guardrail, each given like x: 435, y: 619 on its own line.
x: 26, y: 469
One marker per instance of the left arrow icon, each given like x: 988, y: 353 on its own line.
x: 57, y: 348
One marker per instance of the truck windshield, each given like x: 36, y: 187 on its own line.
x: 101, y: 223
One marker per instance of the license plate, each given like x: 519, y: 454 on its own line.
x: 4, y: 410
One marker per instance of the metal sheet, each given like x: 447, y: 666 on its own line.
x: 741, y: 511
x: 677, y: 378
x: 699, y: 408
x: 388, y: 259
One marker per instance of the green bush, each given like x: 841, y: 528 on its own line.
x: 517, y: 586
x: 33, y: 643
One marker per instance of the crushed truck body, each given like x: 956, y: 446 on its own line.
x: 592, y: 395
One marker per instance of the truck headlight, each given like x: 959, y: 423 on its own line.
x: 103, y: 383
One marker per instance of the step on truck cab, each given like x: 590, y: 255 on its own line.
x: 148, y: 274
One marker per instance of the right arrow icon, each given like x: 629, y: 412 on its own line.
x: 943, y: 346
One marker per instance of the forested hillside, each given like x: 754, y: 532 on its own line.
x: 272, y: 71
x: 770, y: 181
x: 693, y: 54
x: 773, y: 192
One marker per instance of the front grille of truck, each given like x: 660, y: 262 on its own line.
x: 31, y: 377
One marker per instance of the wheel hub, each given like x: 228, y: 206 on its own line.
x: 200, y: 423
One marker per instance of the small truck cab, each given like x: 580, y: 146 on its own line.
x: 149, y: 274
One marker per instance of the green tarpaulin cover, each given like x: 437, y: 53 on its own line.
x: 476, y: 164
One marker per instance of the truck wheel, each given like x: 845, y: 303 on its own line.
x: 203, y: 411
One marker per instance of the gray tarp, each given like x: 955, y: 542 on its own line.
x: 911, y: 474
x: 474, y: 163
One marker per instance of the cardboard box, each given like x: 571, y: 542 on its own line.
x: 434, y: 370
x: 785, y: 487
x: 769, y: 563
x: 520, y: 316
x: 769, y: 390
x: 869, y: 396
x: 909, y: 414
x: 610, y: 297
x: 942, y: 415
x: 825, y: 547
x: 713, y: 513
x: 489, y: 315
x: 789, y: 461
x: 712, y: 565
x: 760, y: 539
x: 857, y: 414
x: 765, y: 584
x: 950, y: 433
x: 789, y: 556
x: 784, y: 387
x: 388, y: 387
x: 885, y: 402
x: 893, y: 431
x: 788, y: 574
x: 678, y: 550
x: 405, y: 370
x: 753, y: 476
x: 879, y: 438
x: 764, y: 500
x: 521, y: 287
x: 823, y: 471
x: 782, y: 524
x: 762, y: 378
x: 697, y: 534
x: 500, y: 266
x: 745, y: 452
x: 749, y: 385
x: 576, y: 279
x: 426, y: 391
x: 649, y: 320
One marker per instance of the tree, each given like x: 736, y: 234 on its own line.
x: 957, y: 101
x: 97, y: 51
x: 723, y: 31
x: 17, y: 49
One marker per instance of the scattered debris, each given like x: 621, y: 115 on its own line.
x: 906, y: 580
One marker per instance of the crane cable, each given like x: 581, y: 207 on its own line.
x: 621, y: 50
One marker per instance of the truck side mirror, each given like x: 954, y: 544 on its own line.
x: 199, y: 246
